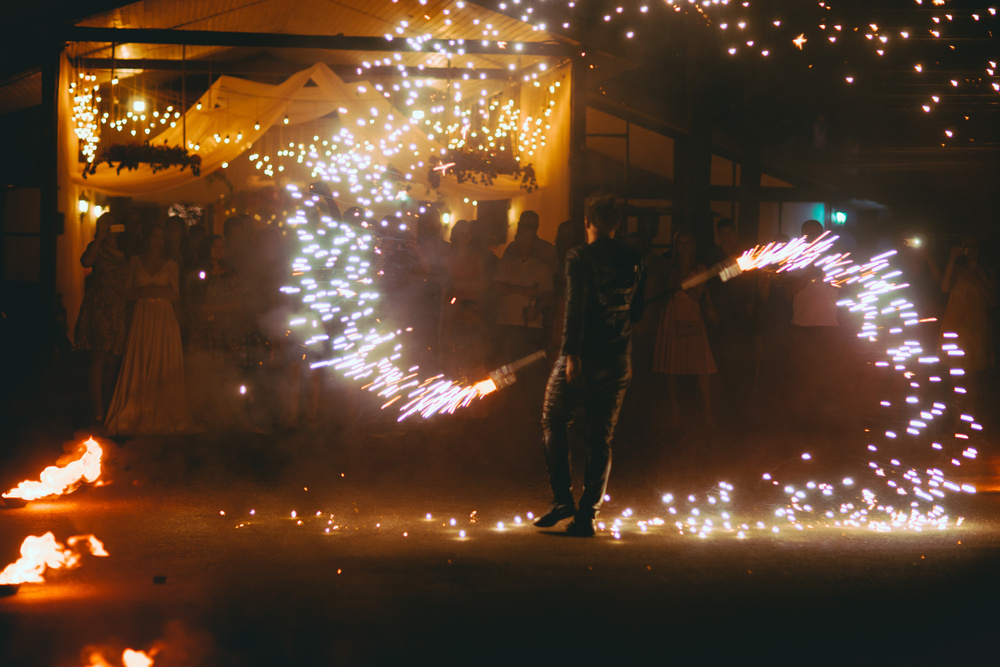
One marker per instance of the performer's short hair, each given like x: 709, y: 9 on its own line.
x: 603, y: 211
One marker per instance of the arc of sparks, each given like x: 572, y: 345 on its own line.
x: 336, y: 271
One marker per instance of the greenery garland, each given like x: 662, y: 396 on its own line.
x: 481, y: 168
x: 130, y: 156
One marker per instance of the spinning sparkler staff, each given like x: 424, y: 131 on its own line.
x: 604, y: 297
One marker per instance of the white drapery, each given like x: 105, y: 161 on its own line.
x: 234, y: 107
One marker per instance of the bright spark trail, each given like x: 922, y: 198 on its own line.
x: 335, y: 277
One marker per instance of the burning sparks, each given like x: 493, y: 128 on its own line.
x: 335, y: 271
x: 796, y: 254
x: 39, y: 553
x: 337, y: 275
x: 56, y: 480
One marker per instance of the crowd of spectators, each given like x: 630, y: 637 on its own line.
x: 767, y: 343
x: 221, y: 356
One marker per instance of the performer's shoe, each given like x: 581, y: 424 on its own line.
x: 558, y: 512
x: 581, y: 527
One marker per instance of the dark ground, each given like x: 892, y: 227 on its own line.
x: 388, y: 586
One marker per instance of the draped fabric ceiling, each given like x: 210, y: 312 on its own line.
x: 234, y: 106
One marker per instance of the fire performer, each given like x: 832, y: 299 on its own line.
x: 604, y: 297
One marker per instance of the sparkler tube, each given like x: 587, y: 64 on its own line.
x: 506, y: 374
x: 726, y: 270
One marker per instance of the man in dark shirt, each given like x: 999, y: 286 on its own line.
x: 604, y: 297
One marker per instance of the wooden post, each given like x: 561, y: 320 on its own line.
x: 578, y: 183
x: 750, y: 171
x: 50, y: 222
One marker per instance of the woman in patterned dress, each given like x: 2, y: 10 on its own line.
x: 100, y: 328
x: 681, y: 340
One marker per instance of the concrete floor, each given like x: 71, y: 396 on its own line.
x: 389, y: 586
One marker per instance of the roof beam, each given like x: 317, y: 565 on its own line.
x: 236, y: 67
x: 328, y: 42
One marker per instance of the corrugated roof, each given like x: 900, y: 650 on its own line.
x: 363, y: 18
x: 309, y: 17
x: 21, y: 92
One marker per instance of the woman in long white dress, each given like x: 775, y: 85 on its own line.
x: 149, y: 397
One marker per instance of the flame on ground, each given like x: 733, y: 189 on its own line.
x: 130, y: 658
x: 41, y: 552
x: 56, y: 480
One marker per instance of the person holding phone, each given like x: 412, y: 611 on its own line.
x: 100, y: 328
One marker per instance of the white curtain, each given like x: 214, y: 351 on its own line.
x: 243, y: 111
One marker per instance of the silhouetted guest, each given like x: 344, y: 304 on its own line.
x: 150, y: 396
x: 815, y: 343
x: 178, y: 249
x: 733, y: 330
x: 101, y: 326
x: 435, y: 253
x: 269, y: 306
x: 178, y: 244
x: 924, y: 276
x: 238, y: 234
x: 775, y: 323
x: 527, y: 235
x: 196, y: 236
x: 524, y: 286
x: 971, y: 289
x: 197, y: 256
x: 219, y: 325
x: 218, y: 339
x: 268, y: 311
x: 569, y: 235
x: 682, y: 346
x: 641, y: 410
x: 486, y: 244
x: 466, y: 265
x: 130, y: 241
x: 466, y: 338
x: 604, y: 299
x: 403, y: 274
x: 328, y: 205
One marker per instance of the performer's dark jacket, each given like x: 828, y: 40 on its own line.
x: 605, y: 296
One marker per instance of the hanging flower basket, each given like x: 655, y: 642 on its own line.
x: 130, y: 156
x: 481, y: 168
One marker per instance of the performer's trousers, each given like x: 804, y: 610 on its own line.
x: 600, y: 394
